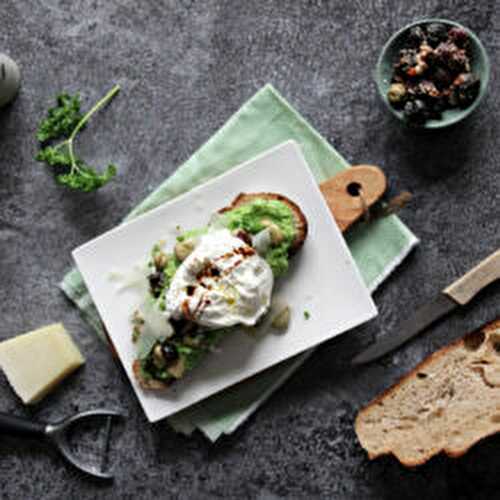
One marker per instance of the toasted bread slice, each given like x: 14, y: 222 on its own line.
x: 446, y: 404
x: 300, y: 219
x: 241, y: 199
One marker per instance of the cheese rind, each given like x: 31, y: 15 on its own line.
x: 35, y: 362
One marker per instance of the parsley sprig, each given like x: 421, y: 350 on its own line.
x: 65, y: 120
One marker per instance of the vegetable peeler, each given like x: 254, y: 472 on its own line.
x: 57, y: 435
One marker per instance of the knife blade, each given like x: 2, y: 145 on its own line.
x: 455, y: 295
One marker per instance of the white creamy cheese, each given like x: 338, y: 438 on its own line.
x: 155, y: 325
x: 223, y: 282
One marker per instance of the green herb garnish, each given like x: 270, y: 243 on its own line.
x: 62, y: 119
x: 307, y: 314
x: 65, y: 121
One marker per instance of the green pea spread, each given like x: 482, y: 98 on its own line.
x: 249, y: 217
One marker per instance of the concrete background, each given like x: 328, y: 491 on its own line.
x: 185, y: 67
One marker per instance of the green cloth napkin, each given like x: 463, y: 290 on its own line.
x: 263, y: 122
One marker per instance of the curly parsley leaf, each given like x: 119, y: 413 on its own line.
x: 87, y: 179
x: 61, y: 119
x: 82, y: 178
x: 69, y: 169
x: 55, y: 157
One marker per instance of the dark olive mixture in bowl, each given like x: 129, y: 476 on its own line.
x: 432, y: 73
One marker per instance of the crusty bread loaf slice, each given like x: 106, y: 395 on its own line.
x: 300, y: 219
x: 446, y: 404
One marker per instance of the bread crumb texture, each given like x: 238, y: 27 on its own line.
x: 446, y: 404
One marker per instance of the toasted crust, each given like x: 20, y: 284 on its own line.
x: 429, y: 362
x: 300, y: 219
x: 152, y: 384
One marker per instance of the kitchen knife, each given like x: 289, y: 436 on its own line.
x: 455, y: 295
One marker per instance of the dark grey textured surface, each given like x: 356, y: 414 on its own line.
x: 185, y: 66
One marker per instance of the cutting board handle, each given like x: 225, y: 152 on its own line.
x: 350, y: 193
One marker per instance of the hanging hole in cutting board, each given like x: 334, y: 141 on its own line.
x: 354, y: 188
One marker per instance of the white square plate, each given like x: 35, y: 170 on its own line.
x: 323, y: 278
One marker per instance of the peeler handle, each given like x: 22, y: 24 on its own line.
x: 19, y: 426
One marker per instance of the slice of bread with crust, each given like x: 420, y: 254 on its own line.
x: 299, y: 217
x: 241, y: 199
x: 448, y: 403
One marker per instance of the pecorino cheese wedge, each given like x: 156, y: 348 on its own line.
x: 35, y: 362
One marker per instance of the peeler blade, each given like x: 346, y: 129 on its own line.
x: 59, y: 435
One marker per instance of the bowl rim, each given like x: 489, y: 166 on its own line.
x: 485, y: 76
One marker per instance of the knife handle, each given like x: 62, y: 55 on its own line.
x: 466, y: 287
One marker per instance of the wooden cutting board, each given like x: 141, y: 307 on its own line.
x: 350, y: 193
x: 347, y: 194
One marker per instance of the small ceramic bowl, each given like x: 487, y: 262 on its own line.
x: 480, y: 66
